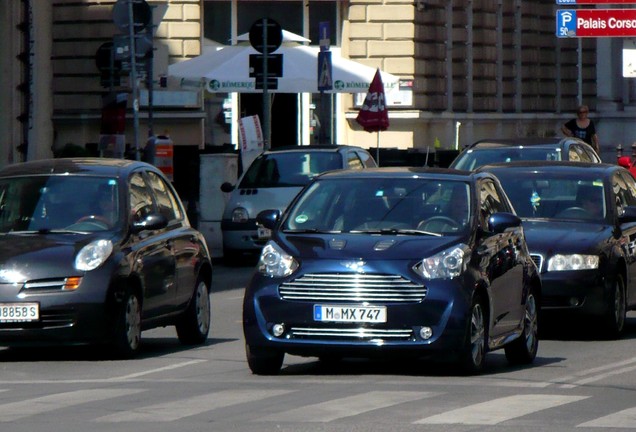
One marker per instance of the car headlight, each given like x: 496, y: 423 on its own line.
x: 93, y: 255
x: 446, y: 264
x: 572, y: 262
x: 275, y: 262
x: 240, y: 214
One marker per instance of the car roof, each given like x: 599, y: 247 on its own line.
x: 84, y: 166
x: 564, y: 166
x: 324, y: 147
x: 523, y: 141
x: 393, y: 172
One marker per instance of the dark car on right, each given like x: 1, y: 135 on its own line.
x: 497, y: 150
x: 580, y: 226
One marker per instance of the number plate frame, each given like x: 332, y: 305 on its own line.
x: 349, y: 313
x: 19, y: 312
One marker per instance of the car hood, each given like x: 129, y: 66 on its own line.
x: 350, y: 246
x: 257, y: 200
x: 35, y: 256
x: 550, y: 237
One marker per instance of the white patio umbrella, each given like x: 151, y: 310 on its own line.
x: 226, y: 70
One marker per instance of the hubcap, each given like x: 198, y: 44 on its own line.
x: 203, y: 308
x: 133, y: 322
x: 477, y: 336
x: 531, y: 322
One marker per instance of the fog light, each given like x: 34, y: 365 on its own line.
x: 278, y: 330
x: 574, y: 301
x: 426, y: 333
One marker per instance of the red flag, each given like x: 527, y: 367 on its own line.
x: 374, y: 116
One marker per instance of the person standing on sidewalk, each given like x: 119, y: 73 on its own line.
x: 582, y: 127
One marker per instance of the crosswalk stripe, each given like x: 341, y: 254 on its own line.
x: 348, y: 406
x: 621, y: 419
x: 499, y: 410
x: 170, y: 411
x: 30, y: 407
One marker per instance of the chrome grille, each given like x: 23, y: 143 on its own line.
x: 352, y: 288
x: 45, y: 285
x: 538, y: 260
x: 361, y: 333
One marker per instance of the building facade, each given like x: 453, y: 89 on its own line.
x: 472, y: 69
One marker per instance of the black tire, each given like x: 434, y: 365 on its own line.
x: 127, y: 333
x: 472, y: 354
x: 614, y: 320
x: 193, y: 327
x: 523, y: 350
x: 263, y: 361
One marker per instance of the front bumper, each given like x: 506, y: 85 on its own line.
x: 444, y: 310
x: 583, y: 291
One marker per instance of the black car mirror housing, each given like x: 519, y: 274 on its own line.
x: 151, y: 222
x: 500, y: 222
x: 268, y: 218
x: 628, y: 215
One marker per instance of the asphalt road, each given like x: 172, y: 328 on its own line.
x: 577, y: 383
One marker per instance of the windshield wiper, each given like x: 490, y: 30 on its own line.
x: 311, y: 231
x: 396, y: 231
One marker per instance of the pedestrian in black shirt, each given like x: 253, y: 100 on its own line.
x: 582, y: 127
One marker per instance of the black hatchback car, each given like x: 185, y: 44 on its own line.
x: 580, y: 224
x: 95, y: 251
x: 393, y: 261
x: 489, y: 151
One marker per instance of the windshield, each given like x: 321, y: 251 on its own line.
x: 400, y: 205
x: 549, y: 195
x: 61, y: 202
x: 289, y: 169
x: 473, y: 159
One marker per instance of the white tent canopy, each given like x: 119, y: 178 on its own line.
x: 226, y: 70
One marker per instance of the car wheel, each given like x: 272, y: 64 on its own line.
x: 473, y: 352
x: 523, y: 350
x: 194, y: 324
x: 616, y: 310
x: 264, y: 361
x: 128, y: 327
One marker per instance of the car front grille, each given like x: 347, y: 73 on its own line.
x: 538, y: 260
x: 353, y: 288
x: 359, y: 334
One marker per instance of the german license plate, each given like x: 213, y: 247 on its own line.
x: 19, y: 312
x: 339, y: 313
x: 264, y: 233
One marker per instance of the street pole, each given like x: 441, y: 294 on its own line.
x: 133, y: 77
x: 266, y: 104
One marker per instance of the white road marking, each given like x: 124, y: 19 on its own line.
x: 161, y: 369
x: 347, y: 407
x: 621, y: 419
x: 595, y: 375
x: 499, y: 410
x: 175, y: 410
x: 16, y: 410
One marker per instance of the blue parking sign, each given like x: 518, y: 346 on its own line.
x: 325, y: 80
x: 566, y: 23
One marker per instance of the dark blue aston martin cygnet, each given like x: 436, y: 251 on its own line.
x: 411, y: 261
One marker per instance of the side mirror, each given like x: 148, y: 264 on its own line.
x: 500, y: 222
x: 629, y: 215
x: 152, y: 222
x: 268, y: 218
x: 625, y: 161
x: 227, y: 187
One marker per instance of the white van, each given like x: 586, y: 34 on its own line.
x: 272, y: 180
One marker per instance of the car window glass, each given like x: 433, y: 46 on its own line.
x: 577, y: 154
x: 353, y: 161
x: 490, y: 202
x: 624, y: 191
x: 367, y: 159
x: 292, y: 169
x: 362, y: 205
x: 140, y: 198
x: 166, y: 201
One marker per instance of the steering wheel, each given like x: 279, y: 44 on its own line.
x: 443, y: 220
x: 98, y: 220
x: 573, y: 212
